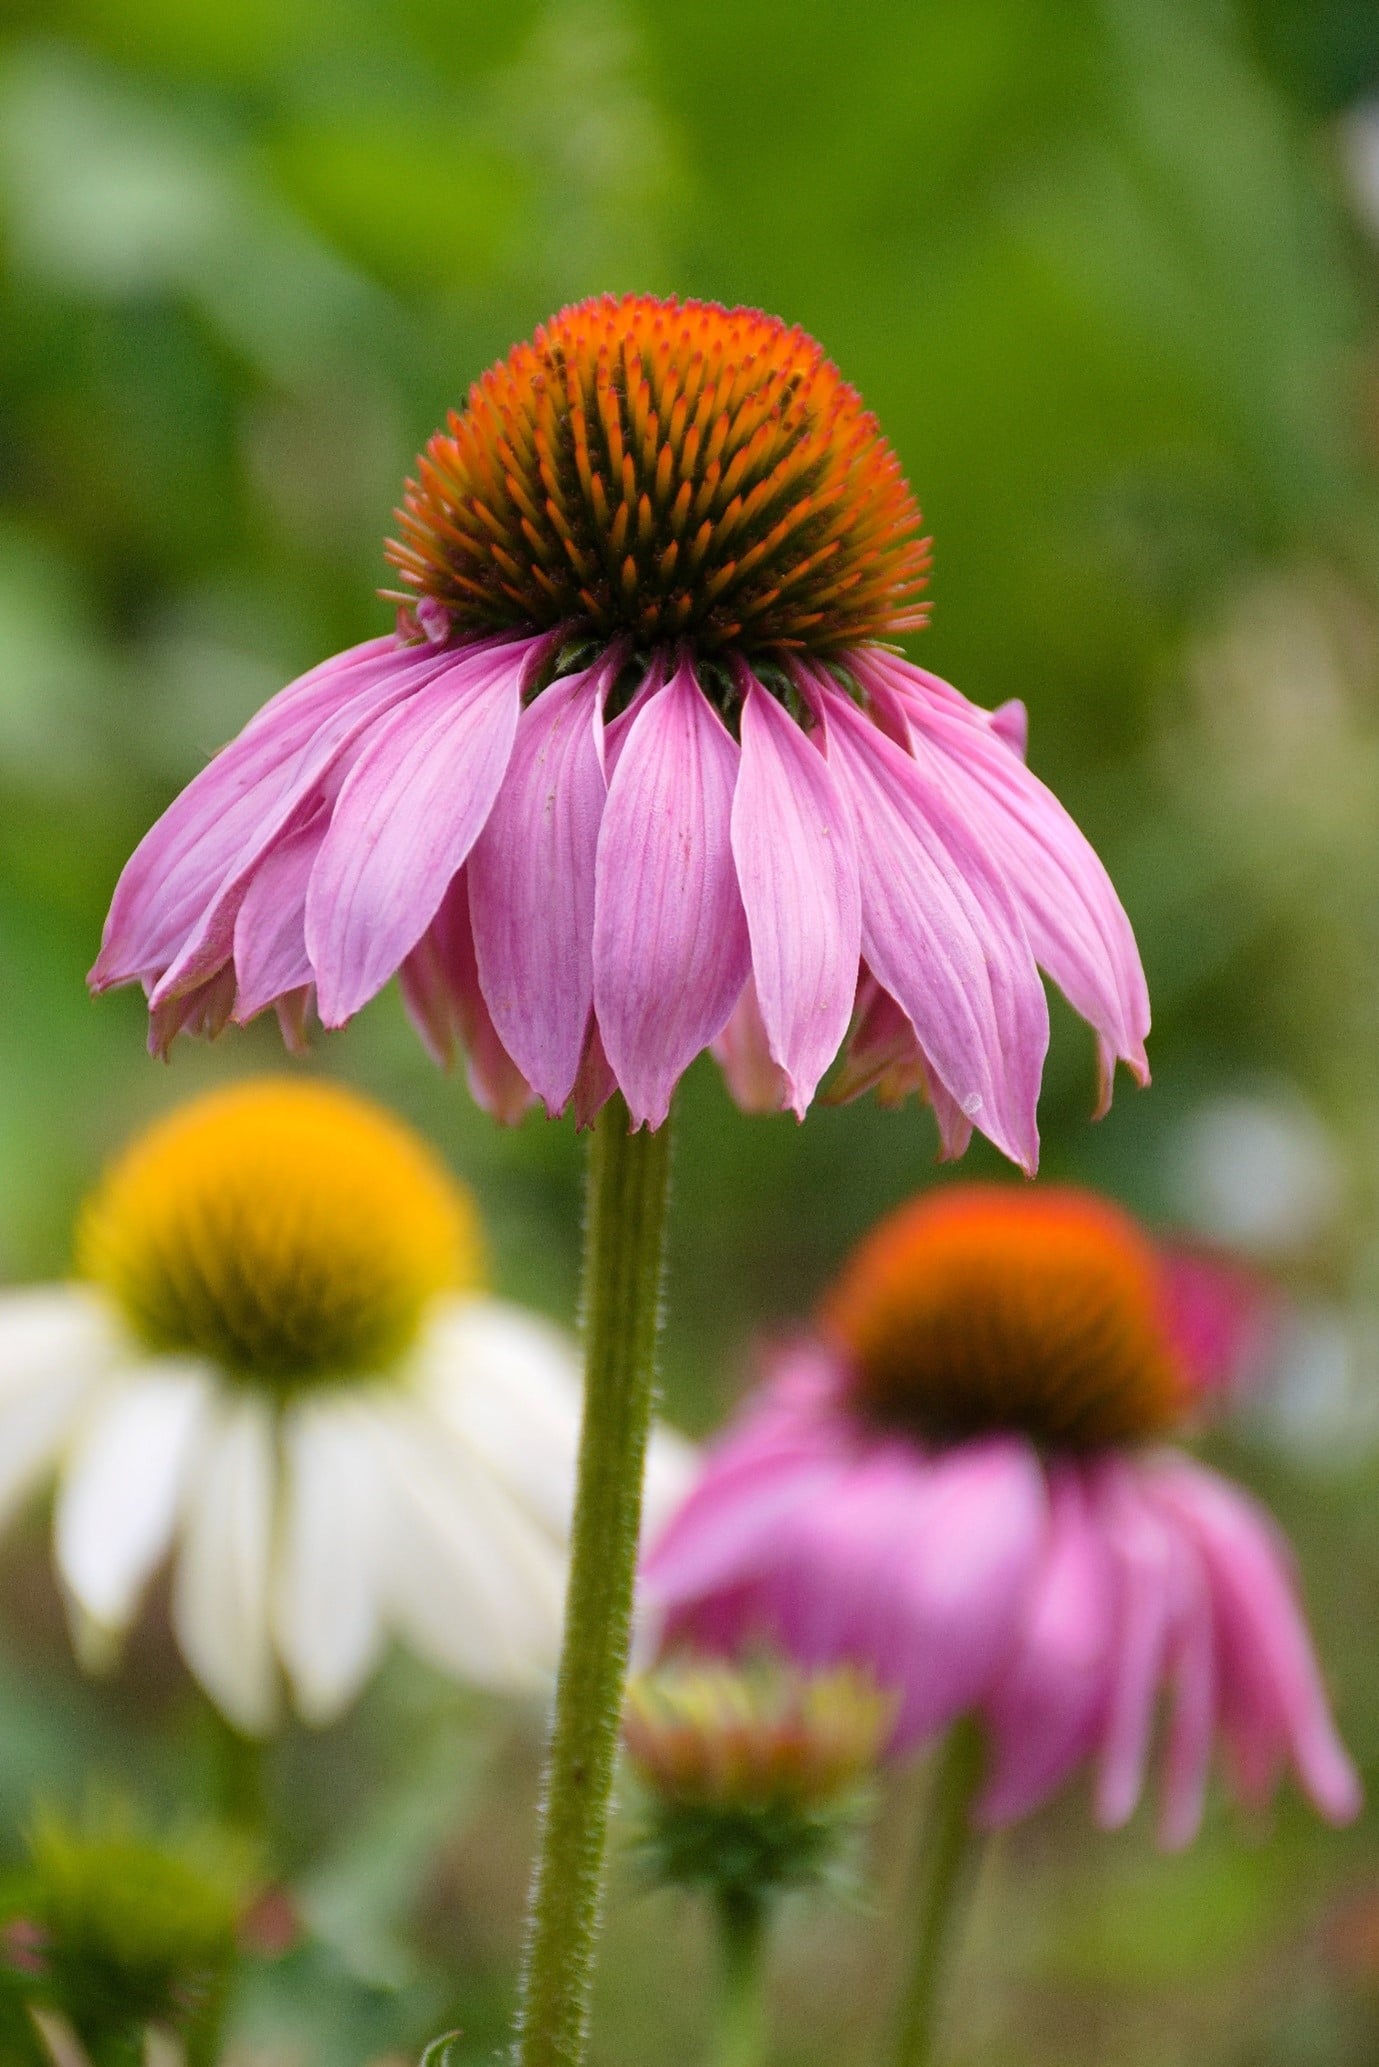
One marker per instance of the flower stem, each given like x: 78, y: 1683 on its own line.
x: 947, y: 1863
x: 628, y: 1179
x: 742, y: 2002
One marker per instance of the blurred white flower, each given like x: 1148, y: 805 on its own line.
x: 1258, y: 1172
x: 279, y: 1368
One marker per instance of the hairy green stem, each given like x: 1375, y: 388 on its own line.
x: 946, y: 1869
x: 742, y: 2002
x: 623, y: 1260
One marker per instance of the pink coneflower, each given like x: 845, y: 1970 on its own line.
x: 638, y: 775
x: 964, y: 1484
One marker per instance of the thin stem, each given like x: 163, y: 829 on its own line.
x: 628, y: 1180
x: 742, y: 2000
x: 947, y: 1862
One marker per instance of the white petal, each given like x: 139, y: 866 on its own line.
x: 325, y: 1589
x: 671, y: 1464
x: 122, y: 1487
x: 473, y: 1582
x: 50, y: 1329
x: 56, y: 1343
x: 220, y: 1592
x: 511, y: 1386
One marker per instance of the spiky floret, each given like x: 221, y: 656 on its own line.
x: 984, y: 1308
x: 292, y: 1232
x: 668, y: 469
x: 125, y: 1932
x: 755, y: 1777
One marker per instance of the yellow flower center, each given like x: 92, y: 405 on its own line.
x: 667, y: 469
x: 292, y: 1232
x: 983, y: 1308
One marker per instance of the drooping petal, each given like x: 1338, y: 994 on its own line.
x: 531, y: 883
x: 1076, y: 924
x: 471, y: 1581
x: 123, y: 1485
x: 1044, y: 1713
x: 596, y: 1083
x: 1010, y: 722
x: 181, y: 863
x: 912, y: 1567
x: 1144, y: 1553
x: 57, y: 1344
x: 1193, y: 1701
x: 510, y: 1387
x: 203, y: 1011
x: 222, y: 1576
x: 287, y: 794
x: 46, y: 1330
x: 743, y: 1053
x: 670, y: 937
x: 796, y: 856
x: 294, y: 1014
x: 948, y: 1578
x: 941, y: 933
x: 410, y: 810
x: 440, y: 988
x: 270, y: 954
x: 884, y: 1056
x: 1270, y: 1678
x: 325, y: 1593
x: 724, y: 1537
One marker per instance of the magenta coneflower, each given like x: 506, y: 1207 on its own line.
x: 637, y: 773
x: 963, y: 1484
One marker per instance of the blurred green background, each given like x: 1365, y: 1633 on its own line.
x: 1107, y: 274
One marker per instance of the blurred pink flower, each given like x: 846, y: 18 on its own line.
x: 636, y: 777
x: 1224, y: 1317
x: 960, y: 1485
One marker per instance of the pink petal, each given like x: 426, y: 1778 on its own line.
x: 797, y: 870
x: 270, y: 939
x: 670, y: 938
x: 1044, y: 1714
x: 1222, y: 1318
x: 616, y: 731
x: 941, y: 933
x: 531, y: 883
x: 203, y: 1011
x: 440, y: 988
x: 1010, y: 722
x: 743, y: 1054
x: 917, y: 1569
x: 1143, y: 1550
x: 1193, y: 1714
x: 238, y: 804
x: 1076, y: 924
x: 728, y: 1532
x: 595, y: 1084
x: 412, y: 807
x: 1270, y: 1673
x: 884, y: 1056
x: 772, y: 1460
x: 294, y: 1013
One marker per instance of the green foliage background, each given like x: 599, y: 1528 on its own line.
x: 1101, y: 272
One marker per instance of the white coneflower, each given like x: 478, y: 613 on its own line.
x: 278, y: 1363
